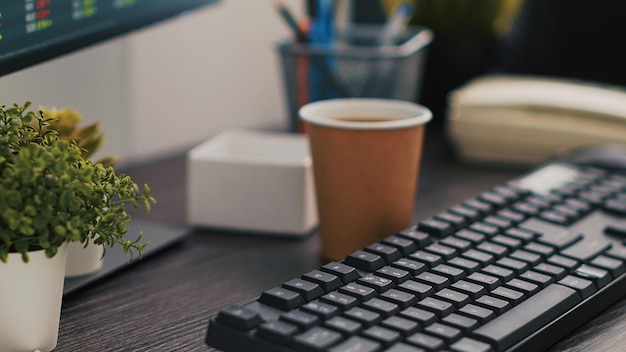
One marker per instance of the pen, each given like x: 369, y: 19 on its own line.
x: 291, y: 22
x: 396, y: 24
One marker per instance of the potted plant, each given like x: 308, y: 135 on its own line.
x: 50, y: 196
x: 82, y: 259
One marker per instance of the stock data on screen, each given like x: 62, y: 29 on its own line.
x: 32, y: 31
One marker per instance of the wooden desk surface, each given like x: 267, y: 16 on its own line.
x: 163, y: 303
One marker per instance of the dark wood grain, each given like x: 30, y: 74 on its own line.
x: 163, y: 303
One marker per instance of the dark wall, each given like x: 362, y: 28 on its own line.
x: 570, y: 38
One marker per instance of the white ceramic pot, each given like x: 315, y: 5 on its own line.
x: 30, y: 301
x: 83, y: 260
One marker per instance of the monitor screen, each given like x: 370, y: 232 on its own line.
x: 33, y: 31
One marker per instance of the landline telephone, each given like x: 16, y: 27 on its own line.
x: 525, y: 120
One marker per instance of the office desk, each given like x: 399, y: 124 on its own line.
x: 163, y: 302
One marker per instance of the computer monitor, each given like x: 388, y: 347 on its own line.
x: 34, y: 31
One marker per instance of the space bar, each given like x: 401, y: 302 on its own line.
x: 530, y: 315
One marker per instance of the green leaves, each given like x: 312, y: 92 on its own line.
x: 49, y: 195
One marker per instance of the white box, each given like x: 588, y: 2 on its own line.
x: 252, y: 181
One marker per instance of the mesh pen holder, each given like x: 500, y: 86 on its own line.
x: 357, y: 65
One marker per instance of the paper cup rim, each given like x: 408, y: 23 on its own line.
x: 403, y: 113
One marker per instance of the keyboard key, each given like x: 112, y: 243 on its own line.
x: 484, y: 228
x: 537, y: 278
x: 517, y: 266
x: 340, y: 300
x: 528, y: 288
x: 316, y: 339
x: 497, y: 305
x: 488, y: 281
x: 493, y: 198
x: 482, y: 207
x: 323, y: 310
x: 418, y: 289
x: 308, y: 290
x: 384, y: 308
x: 555, y: 217
x: 404, y: 326
x: 471, y: 289
x: 388, y: 253
x: 457, y: 221
x: 405, y: 246
x: 447, y: 333
x: 427, y: 258
x: 567, y: 263
x: 437, y: 306
x: 461, y: 322
x: 512, y: 296
x: 470, y: 345
x: 513, y: 216
x: 560, y: 239
x: 478, y: 256
x: 555, y: 271
x: 396, y: 275
x: 281, y: 298
x: 356, y: 344
x: 614, y: 207
x: 420, y: 238
x: 509, y: 242
x: 443, y: 251
x: 599, y: 276
x: 240, y: 318
x: 452, y: 273
x: 412, y: 266
x: 365, y: 261
x: 435, y: 227
x: 584, y: 251
x: 494, y: 249
x: 501, y: 223
x: 423, y: 317
x: 521, y: 234
x: 456, y: 243
x: 403, y: 347
x: 380, y: 284
x: 436, y: 281
x: 616, y: 229
x: 522, y: 320
x: 481, y: 314
x: 363, y: 316
x: 382, y: 335
x: 468, y: 213
x: 471, y: 236
x: 277, y: 331
x: 457, y: 298
x: 528, y: 257
x: 427, y: 342
x: 469, y: 266
x: 360, y: 292
x: 301, y: 319
x: 526, y: 208
x: 614, y: 266
x: 344, y: 326
x: 328, y: 282
x: 510, y: 192
x: 501, y: 273
x: 544, y: 251
x: 345, y: 273
x: 401, y: 298
x: 618, y: 252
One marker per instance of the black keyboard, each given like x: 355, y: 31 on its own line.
x: 518, y: 267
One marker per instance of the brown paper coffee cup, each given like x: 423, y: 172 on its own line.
x: 366, y: 155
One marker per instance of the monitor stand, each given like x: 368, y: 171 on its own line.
x: 158, y: 235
